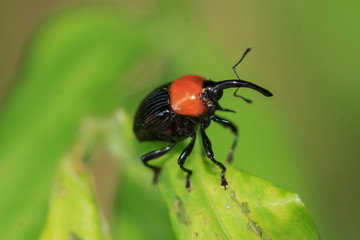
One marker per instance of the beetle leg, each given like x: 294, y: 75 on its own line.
x: 210, y: 154
x: 155, y: 154
x: 218, y: 107
x: 183, y: 157
x: 227, y: 123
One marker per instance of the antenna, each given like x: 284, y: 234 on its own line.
x: 234, y: 69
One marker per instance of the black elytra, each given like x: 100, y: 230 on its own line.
x: 174, y: 111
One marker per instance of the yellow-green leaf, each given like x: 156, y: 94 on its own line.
x: 73, y: 212
x: 250, y: 208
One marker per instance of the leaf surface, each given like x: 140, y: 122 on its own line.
x: 71, y: 67
x: 250, y: 208
x: 73, y: 212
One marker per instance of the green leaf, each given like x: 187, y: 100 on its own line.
x: 73, y: 212
x: 137, y: 207
x: 70, y: 69
x: 250, y: 208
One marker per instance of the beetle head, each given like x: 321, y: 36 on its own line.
x: 213, y: 91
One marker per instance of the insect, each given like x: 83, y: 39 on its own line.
x: 174, y: 111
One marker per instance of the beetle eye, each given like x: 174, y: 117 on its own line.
x: 217, y: 94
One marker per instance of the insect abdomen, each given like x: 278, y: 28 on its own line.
x: 152, y: 119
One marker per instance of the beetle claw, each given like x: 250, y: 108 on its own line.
x: 156, y: 174
x: 188, y: 183
x: 229, y: 158
x: 224, y: 183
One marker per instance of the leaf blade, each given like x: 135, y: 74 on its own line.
x: 73, y: 211
x: 251, y: 207
x: 71, y: 67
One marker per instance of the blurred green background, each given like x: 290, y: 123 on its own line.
x: 90, y: 57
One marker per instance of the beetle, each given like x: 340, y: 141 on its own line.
x: 173, y: 112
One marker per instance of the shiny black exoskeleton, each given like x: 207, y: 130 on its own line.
x: 160, y: 119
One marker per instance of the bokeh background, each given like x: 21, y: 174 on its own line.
x: 306, y: 138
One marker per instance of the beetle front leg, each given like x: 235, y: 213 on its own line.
x: 155, y: 154
x: 227, y: 123
x: 210, y: 154
x: 183, y: 157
